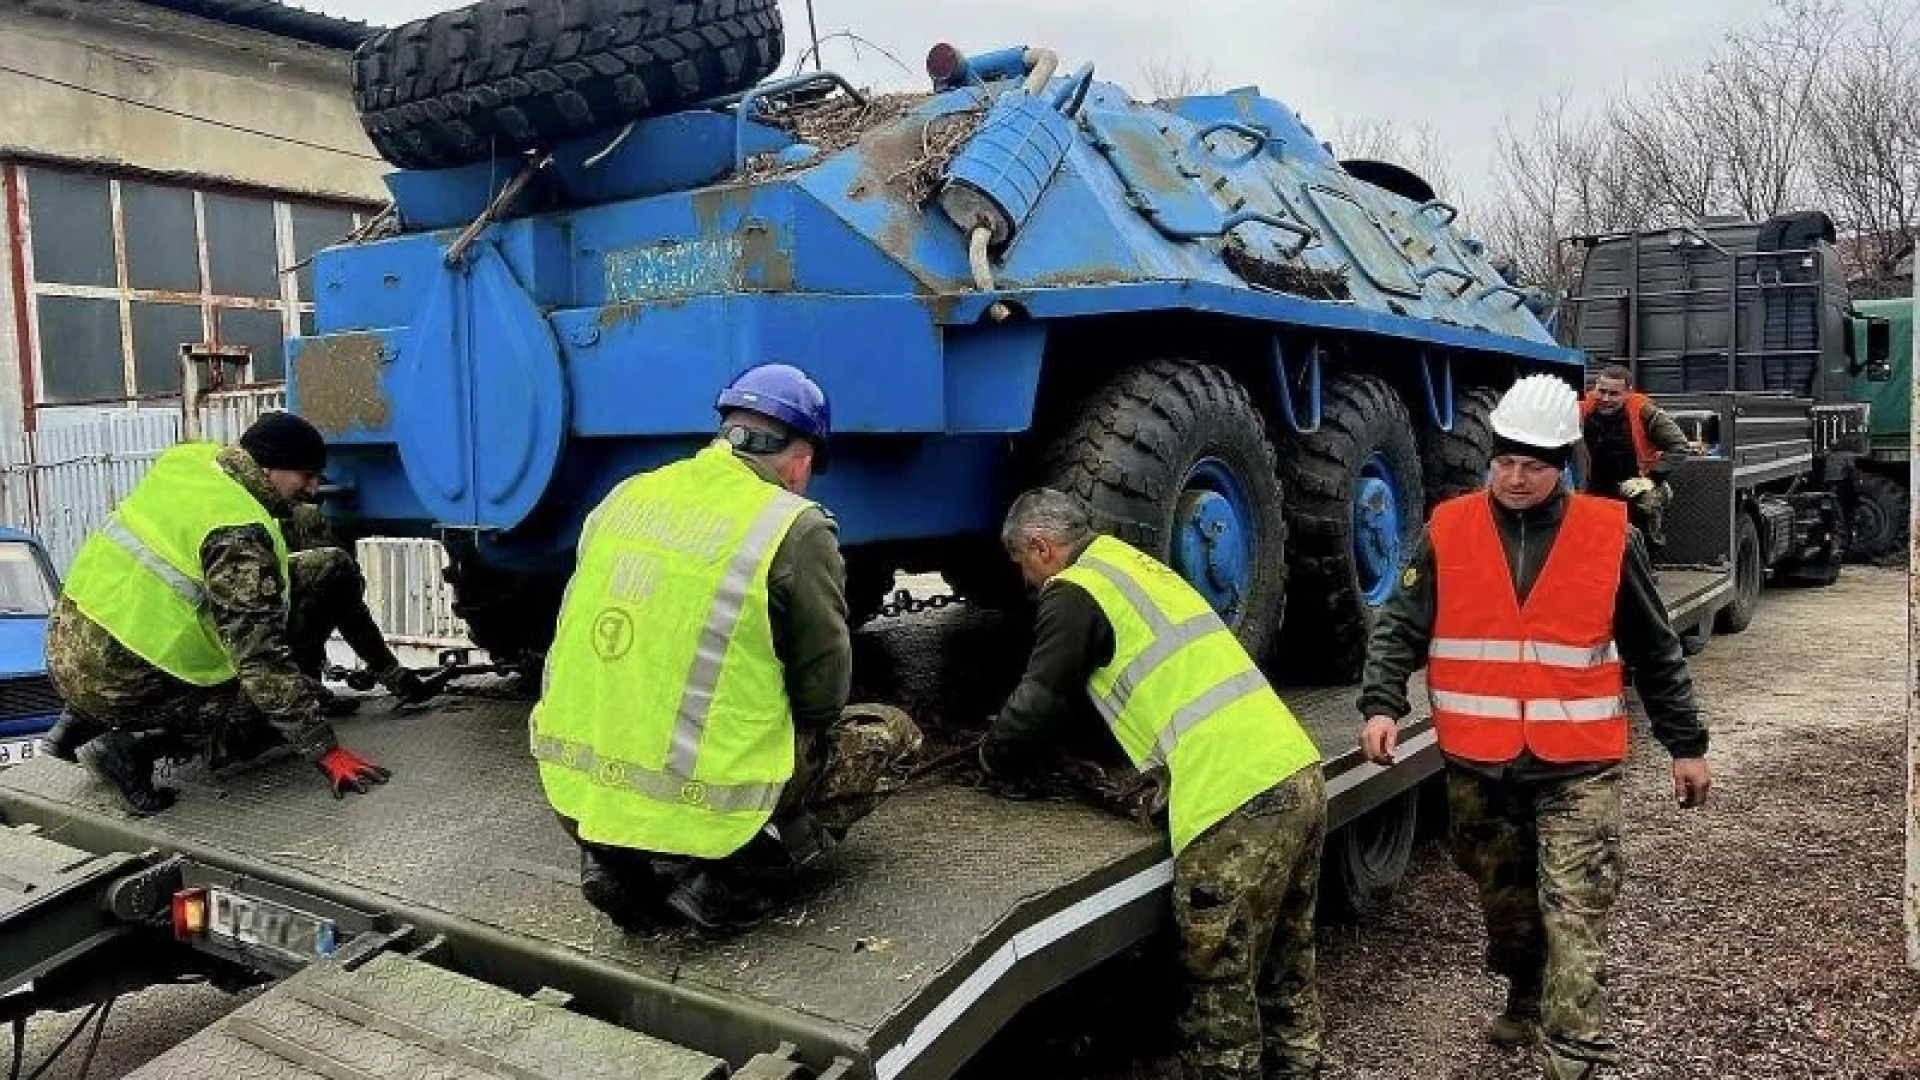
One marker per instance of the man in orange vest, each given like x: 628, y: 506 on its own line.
x: 1523, y: 601
x: 1632, y: 445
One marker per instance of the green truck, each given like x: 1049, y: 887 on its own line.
x: 1880, y: 510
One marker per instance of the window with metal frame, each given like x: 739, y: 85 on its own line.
x: 120, y: 272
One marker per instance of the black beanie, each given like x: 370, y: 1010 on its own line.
x: 1556, y: 456
x: 281, y: 440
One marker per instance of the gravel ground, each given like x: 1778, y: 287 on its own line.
x: 1757, y: 938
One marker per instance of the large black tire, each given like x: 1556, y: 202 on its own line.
x: 869, y: 584
x: 1878, y: 517
x: 1365, y: 861
x: 503, y: 76
x: 510, y: 615
x: 1748, y: 577
x: 1131, y: 447
x: 1333, y: 592
x: 1455, y: 462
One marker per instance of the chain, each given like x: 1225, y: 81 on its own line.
x: 904, y: 603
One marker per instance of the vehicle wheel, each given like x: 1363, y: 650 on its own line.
x: 1355, y: 494
x: 1879, y: 517
x: 869, y: 583
x: 1366, y: 859
x: 510, y: 615
x: 503, y: 76
x: 1174, y: 459
x: 1748, y: 575
x: 984, y: 577
x: 1455, y: 462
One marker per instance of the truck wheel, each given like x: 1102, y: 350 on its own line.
x: 1174, y: 459
x: 1366, y: 859
x: 1879, y: 518
x: 1455, y: 462
x: 1748, y: 574
x: 503, y: 76
x: 1355, y: 495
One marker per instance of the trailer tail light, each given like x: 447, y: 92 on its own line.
x: 189, y: 913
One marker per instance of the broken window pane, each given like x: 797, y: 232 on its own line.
x: 158, y: 332
x: 161, y: 250
x: 316, y: 227
x: 260, y: 331
x: 72, y: 217
x: 241, y: 251
x: 80, y: 358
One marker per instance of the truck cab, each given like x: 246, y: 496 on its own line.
x: 28, y: 587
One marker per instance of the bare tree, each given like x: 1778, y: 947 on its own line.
x: 1865, y: 158
x: 1166, y: 78
x: 1563, y: 175
x: 1418, y: 148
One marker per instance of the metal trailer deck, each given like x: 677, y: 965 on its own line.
x: 946, y: 911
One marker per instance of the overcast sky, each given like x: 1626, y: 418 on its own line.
x: 1458, y: 66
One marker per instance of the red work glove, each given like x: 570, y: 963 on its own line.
x: 347, y: 771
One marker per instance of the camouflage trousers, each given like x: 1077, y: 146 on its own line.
x: 98, y: 677
x: 840, y: 776
x: 1545, y: 855
x: 1244, y: 893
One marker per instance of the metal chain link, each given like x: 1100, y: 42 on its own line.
x: 904, y: 603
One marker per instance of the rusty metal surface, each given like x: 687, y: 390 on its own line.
x: 340, y: 383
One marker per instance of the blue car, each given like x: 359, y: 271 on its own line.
x: 28, y: 703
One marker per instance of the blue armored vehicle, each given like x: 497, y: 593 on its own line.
x: 1255, y: 359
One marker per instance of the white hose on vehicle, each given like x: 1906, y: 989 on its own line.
x: 1040, y: 67
x: 983, y: 270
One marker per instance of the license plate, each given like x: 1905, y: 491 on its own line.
x: 15, y: 751
x: 255, y: 923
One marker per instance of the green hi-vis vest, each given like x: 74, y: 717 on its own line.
x: 663, y: 724
x: 1182, y: 692
x: 139, y: 575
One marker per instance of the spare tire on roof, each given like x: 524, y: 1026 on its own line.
x: 504, y: 76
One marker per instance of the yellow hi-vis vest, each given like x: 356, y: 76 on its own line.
x: 139, y: 575
x: 663, y: 723
x: 1182, y: 692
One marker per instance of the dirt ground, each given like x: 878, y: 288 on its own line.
x: 1757, y: 938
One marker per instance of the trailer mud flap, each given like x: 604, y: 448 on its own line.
x: 390, y: 1015
x: 51, y: 904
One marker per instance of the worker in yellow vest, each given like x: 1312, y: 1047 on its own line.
x: 1246, y: 801
x: 175, y: 626
x: 692, y: 725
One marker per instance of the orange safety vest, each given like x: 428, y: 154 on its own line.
x: 1545, y: 676
x: 1645, y: 454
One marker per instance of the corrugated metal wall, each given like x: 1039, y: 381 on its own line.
x: 61, y: 481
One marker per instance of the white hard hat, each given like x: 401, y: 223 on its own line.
x: 1538, y: 410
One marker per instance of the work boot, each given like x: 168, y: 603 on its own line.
x: 634, y: 906
x: 1566, y: 1068
x: 71, y: 732
x: 243, y: 742
x: 709, y: 900
x: 333, y: 705
x: 1519, y: 1023
x: 125, y: 762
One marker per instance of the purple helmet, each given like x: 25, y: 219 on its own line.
x: 784, y: 393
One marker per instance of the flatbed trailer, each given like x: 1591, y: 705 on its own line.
x: 453, y: 898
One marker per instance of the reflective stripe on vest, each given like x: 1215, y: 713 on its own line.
x: 1544, y: 677
x: 663, y: 723
x: 139, y: 578
x: 1181, y: 692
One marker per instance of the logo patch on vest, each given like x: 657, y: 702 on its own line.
x: 693, y: 793
x: 612, y: 634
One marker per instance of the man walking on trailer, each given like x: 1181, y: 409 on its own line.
x: 1246, y: 800
x: 1632, y: 445
x: 1523, y: 601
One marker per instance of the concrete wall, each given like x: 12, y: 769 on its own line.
x: 193, y: 66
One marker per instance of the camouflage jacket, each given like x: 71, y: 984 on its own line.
x: 248, y: 602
